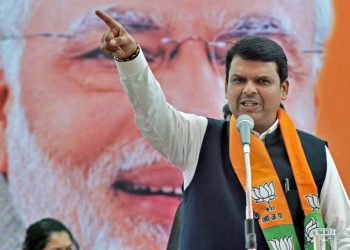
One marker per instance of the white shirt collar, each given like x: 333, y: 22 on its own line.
x: 263, y: 135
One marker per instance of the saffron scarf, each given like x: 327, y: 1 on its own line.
x: 267, y: 193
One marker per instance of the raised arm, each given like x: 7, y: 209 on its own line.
x: 177, y: 136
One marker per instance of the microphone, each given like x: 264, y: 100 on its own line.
x: 245, y: 124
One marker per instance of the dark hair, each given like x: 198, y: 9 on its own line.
x: 38, y: 234
x: 260, y: 49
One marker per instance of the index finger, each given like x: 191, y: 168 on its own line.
x: 111, y: 23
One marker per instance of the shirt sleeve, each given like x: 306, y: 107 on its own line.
x: 176, y: 135
x: 335, y: 205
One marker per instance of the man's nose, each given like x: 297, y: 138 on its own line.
x: 191, y: 82
x: 250, y: 88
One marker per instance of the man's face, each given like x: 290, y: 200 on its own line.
x: 254, y: 88
x: 81, y: 131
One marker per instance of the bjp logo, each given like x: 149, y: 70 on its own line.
x: 310, y: 230
x: 265, y: 193
x: 313, y: 201
x: 285, y: 243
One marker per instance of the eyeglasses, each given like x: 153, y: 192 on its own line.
x: 159, y: 52
x: 166, y: 49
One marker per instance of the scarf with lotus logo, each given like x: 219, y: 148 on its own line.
x: 268, y: 196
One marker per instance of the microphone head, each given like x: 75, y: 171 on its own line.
x: 245, y: 124
x: 244, y: 120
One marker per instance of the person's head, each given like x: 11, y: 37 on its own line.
x: 256, y: 79
x: 69, y: 124
x: 49, y: 234
x: 258, y: 48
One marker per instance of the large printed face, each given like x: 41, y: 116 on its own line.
x: 83, y: 160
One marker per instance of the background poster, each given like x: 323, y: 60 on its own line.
x: 69, y: 147
x: 333, y: 89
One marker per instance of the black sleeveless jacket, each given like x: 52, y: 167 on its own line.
x: 213, y: 209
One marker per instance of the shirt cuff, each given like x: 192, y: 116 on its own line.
x: 133, y: 67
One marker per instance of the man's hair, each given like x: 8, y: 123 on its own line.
x: 38, y: 234
x: 258, y: 48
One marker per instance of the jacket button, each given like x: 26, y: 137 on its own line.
x: 256, y: 215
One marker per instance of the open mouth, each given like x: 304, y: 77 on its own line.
x: 132, y: 188
x: 249, y: 104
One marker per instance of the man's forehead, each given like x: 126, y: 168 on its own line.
x: 145, y: 17
x: 240, y: 65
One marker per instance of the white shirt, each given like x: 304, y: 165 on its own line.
x: 178, y: 136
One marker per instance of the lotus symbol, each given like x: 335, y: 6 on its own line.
x: 313, y: 201
x: 310, y: 230
x: 264, y: 193
x: 285, y: 243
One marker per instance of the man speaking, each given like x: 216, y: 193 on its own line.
x: 295, y: 184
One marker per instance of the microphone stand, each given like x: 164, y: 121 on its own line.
x: 249, y: 231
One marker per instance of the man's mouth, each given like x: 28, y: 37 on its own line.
x: 132, y: 188
x: 152, y: 192
x: 249, y: 103
x: 158, y: 180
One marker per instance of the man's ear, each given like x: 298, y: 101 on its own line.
x: 4, y: 106
x: 284, y: 90
x: 226, y: 89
